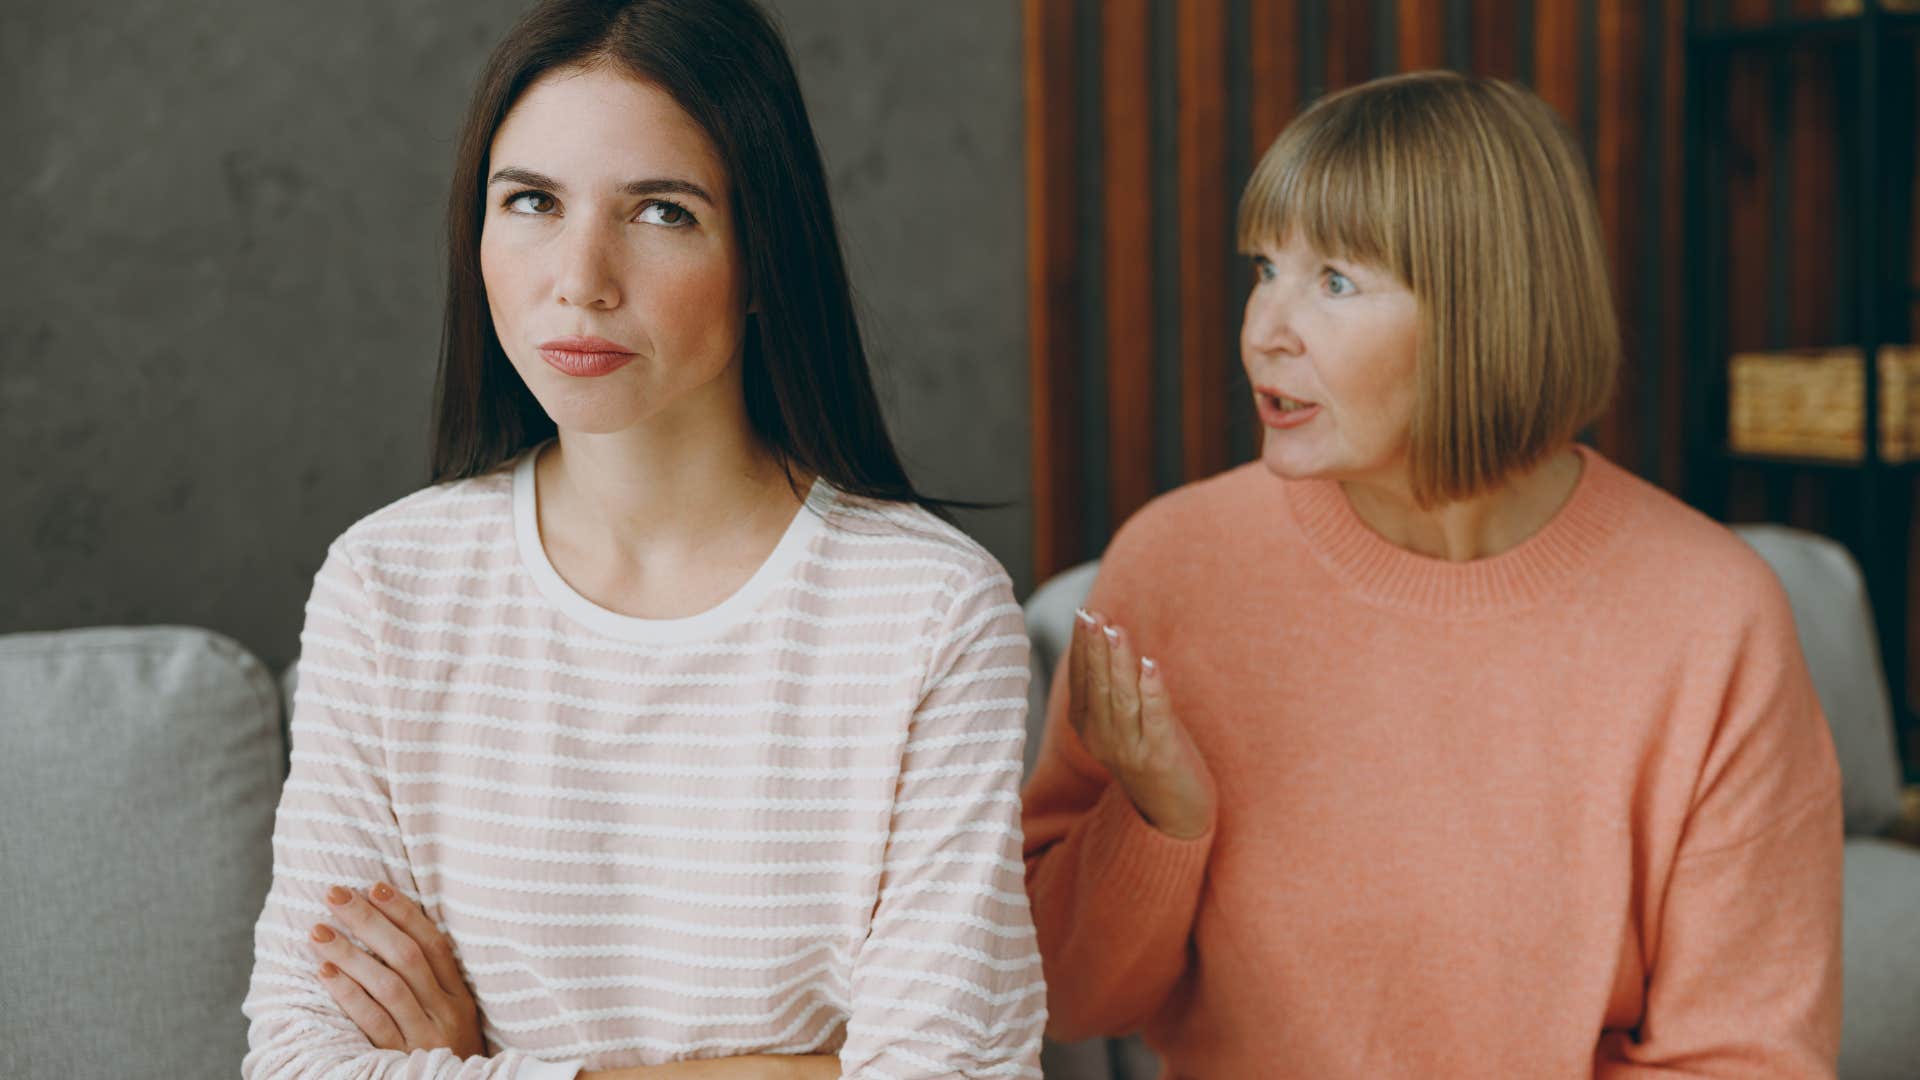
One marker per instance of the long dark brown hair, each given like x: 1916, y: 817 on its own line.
x: 809, y: 392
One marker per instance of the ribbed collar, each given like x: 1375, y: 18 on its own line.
x: 1543, y: 564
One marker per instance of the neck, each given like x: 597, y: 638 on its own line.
x: 666, y: 485
x: 1475, y: 528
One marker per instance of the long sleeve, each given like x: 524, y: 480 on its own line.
x: 336, y: 826
x: 1114, y: 898
x: 1744, y: 977
x: 948, y: 982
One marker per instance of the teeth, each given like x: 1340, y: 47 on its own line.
x: 1288, y: 404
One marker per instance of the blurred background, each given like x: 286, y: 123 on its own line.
x: 220, y: 294
x: 222, y: 282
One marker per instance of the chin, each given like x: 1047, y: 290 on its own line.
x: 1286, y: 462
x: 591, y: 411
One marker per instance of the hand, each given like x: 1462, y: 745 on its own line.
x: 1118, y: 706
x: 407, y: 996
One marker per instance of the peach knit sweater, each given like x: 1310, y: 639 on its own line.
x: 789, y: 824
x: 1571, y: 810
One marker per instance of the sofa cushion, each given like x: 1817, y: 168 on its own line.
x: 139, y: 771
x: 1835, y: 622
x: 1881, y: 1040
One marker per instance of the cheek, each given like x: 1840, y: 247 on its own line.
x: 696, y: 301
x: 497, y: 277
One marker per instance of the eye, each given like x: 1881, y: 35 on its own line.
x: 1262, y: 268
x: 1339, y: 284
x: 669, y: 214
x: 529, y: 202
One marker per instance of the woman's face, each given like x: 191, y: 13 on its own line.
x: 611, y: 266
x: 1329, y: 347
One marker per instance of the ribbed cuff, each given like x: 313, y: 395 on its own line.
x: 1139, y: 861
x: 536, y: 1069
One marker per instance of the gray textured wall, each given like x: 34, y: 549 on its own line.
x: 221, y: 276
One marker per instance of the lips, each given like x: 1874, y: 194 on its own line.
x: 585, y: 357
x: 1279, y: 411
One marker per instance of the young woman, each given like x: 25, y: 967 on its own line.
x: 1433, y: 744
x: 670, y: 734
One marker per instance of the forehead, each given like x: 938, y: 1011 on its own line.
x: 597, y: 126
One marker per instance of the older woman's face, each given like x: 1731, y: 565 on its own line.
x: 611, y: 266
x: 1329, y: 347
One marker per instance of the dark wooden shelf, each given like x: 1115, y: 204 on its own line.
x: 1787, y: 33
x: 1788, y: 461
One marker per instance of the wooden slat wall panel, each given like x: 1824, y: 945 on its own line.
x: 1671, y: 469
x: 1423, y: 34
x: 1126, y: 57
x: 1349, y: 43
x: 1620, y: 87
x: 1621, y: 133
x: 1556, y: 59
x: 1053, y: 257
x: 1495, y: 51
x: 1275, y: 70
x: 1205, y: 232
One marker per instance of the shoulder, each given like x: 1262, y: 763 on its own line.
x: 1688, y: 560
x: 1170, y: 528
x: 890, y: 540
x: 471, y: 517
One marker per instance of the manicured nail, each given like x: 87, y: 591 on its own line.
x: 1083, y: 615
x: 328, y: 971
x: 322, y: 933
x: 1113, y: 635
x: 1148, y: 667
x: 382, y: 892
x: 337, y: 896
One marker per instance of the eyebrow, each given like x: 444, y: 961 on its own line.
x: 654, y: 186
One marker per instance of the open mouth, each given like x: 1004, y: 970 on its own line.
x: 1277, y: 410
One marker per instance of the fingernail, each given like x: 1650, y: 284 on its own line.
x: 338, y: 896
x: 1148, y: 667
x: 328, y: 971
x: 1113, y: 635
x: 1083, y: 615
x: 382, y: 892
x: 322, y: 933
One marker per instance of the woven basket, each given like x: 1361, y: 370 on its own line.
x: 1809, y: 403
x: 1854, y: 7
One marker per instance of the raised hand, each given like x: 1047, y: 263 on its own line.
x: 1118, y: 705
x: 407, y: 994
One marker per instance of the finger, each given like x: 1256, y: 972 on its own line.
x: 1099, y: 735
x: 1077, y: 672
x: 416, y: 924
x: 387, y: 989
x: 393, y: 946
x: 1158, y: 728
x: 366, y: 1013
x: 1123, y: 687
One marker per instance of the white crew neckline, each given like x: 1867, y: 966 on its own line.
x: 808, y: 523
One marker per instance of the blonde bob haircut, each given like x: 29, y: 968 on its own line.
x: 1473, y: 194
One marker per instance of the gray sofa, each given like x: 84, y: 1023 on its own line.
x: 139, y: 771
x: 1881, y: 1036
x: 140, y: 768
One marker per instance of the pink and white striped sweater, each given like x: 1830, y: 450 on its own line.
x: 789, y: 824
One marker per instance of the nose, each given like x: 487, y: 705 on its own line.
x: 587, y: 274
x: 1267, y: 328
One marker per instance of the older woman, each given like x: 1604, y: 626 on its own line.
x: 1434, y: 744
